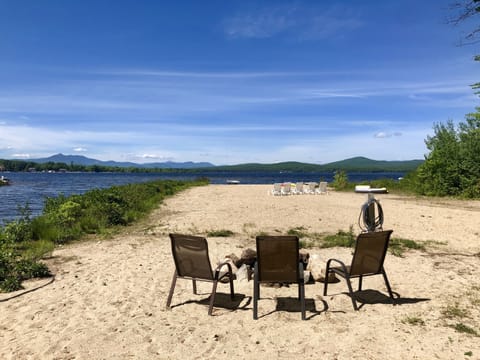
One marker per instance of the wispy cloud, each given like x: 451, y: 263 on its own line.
x: 157, y: 118
x: 296, y: 20
x: 196, y: 74
x: 156, y: 157
x: 21, y: 156
x: 151, y: 97
x: 384, y: 134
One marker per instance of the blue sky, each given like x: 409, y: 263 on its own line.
x: 230, y: 82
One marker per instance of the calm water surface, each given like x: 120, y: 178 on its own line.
x: 33, y: 188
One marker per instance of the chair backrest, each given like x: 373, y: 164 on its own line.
x: 322, y: 187
x: 299, y: 187
x: 190, y: 254
x: 287, y: 188
x: 278, y: 259
x: 370, y: 251
x: 277, y: 188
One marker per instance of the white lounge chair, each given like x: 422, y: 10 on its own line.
x: 311, y: 188
x: 287, y: 188
x: 322, y: 188
x: 277, y: 189
x: 298, y: 188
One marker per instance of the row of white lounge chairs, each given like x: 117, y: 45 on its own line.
x: 299, y: 188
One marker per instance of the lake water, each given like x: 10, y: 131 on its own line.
x: 33, y: 188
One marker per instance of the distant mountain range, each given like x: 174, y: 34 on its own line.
x: 352, y: 164
x: 85, y: 161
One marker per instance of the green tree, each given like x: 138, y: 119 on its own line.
x: 340, y: 180
x: 452, y: 168
x: 439, y: 174
x: 469, y: 136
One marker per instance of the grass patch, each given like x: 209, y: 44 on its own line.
x: 398, y: 246
x: 311, y: 240
x: 465, y: 329
x: 220, y: 233
x: 299, y: 231
x: 455, y: 312
x: 413, y: 320
x: 474, y: 296
x: 340, y: 239
x: 37, y: 249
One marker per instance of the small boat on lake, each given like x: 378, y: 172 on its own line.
x: 4, y: 181
x: 233, y: 182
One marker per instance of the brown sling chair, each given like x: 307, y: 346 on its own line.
x: 192, y: 262
x: 278, y: 262
x: 368, y: 258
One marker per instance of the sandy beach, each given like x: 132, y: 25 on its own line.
x: 107, y: 300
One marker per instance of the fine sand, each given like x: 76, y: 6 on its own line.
x: 107, y: 300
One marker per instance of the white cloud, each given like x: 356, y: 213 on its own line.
x: 154, y: 157
x: 383, y: 134
x: 80, y: 149
x: 300, y: 22
x: 22, y: 156
x: 259, y: 24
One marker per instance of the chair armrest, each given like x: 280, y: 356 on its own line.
x: 218, y: 270
x: 341, y: 263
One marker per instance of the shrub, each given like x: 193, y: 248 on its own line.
x: 19, y: 230
x: 452, y: 166
x: 68, y: 218
x: 340, y: 180
x: 23, y: 242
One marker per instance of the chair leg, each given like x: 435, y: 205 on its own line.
x: 172, y: 288
x: 212, y: 297
x: 232, y: 290
x: 256, y: 294
x: 325, y: 282
x: 388, y: 286
x: 194, y: 283
x: 301, y: 287
x: 301, y: 290
x: 360, y: 283
x: 350, y: 289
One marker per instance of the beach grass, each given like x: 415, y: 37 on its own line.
x: 413, y: 320
x: 220, y: 233
x: 455, y: 311
x: 342, y: 238
x: 23, y: 242
x: 462, y: 328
